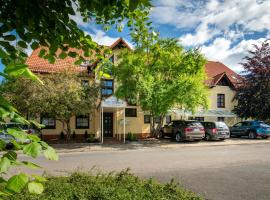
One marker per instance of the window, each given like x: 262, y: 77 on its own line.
x: 147, y: 119
x: 112, y: 59
x: 200, y: 119
x: 224, y: 82
x: 131, y: 112
x: 107, y: 87
x: 157, y: 120
x: 48, y: 122
x: 221, y: 100
x: 168, y: 119
x: 85, y: 83
x: 82, y: 121
x: 221, y: 119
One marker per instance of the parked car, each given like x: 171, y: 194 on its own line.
x: 252, y: 129
x: 183, y: 130
x: 216, y: 130
x: 7, y: 139
x: 27, y: 128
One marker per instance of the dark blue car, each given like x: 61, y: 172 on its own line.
x: 252, y: 129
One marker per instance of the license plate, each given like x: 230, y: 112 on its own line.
x: 196, y: 129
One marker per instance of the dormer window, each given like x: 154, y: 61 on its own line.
x: 112, y: 59
x: 85, y: 63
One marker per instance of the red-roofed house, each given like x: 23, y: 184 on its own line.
x: 222, y: 82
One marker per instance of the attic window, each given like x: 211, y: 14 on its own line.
x: 223, y: 82
x: 85, y: 63
x: 112, y: 59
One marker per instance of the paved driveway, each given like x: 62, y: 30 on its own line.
x: 216, y: 172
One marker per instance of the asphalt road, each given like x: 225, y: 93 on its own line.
x: 215, y: 172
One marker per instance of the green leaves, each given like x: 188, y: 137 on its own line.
x: 34, y: 45
x: 33, y: 149
x: 50, y: 154
x: 17, y: 183
x: 4, y: 164
x: 35, y: 187
x: 31, y: 165
x: 9, y: 37
x: 18, y: 134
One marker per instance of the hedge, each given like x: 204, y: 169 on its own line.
x: 112, y: 186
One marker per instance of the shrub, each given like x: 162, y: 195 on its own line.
x: 86, y: 134
x: 62, y: 135
x: 131, y: 137
x: 119, y: 186
x: 91, y: 138
x: 73, y: 135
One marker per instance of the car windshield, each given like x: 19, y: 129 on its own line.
x: 263, y: 124
x: 196, y: 124
x: 221, y: 125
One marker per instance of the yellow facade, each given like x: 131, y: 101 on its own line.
x: 136, y: 124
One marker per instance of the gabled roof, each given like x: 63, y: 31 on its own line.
x: 120, y: 41
x: 40, y: 65
x: 215, y: 71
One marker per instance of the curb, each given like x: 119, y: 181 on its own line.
x: 132, y: 147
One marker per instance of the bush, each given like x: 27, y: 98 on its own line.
x: 91, y: 138
x: 86, y: 135
x: 73, y: 135
x: 120, y: 186
x: 62, y: 135
x: 131, y: 137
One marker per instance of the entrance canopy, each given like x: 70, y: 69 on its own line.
x: 203, y: 113
x: 113, y: 102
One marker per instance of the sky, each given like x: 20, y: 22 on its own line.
x: 224, y: 30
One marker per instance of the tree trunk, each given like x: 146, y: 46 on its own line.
x: 153, y: 129
x: 152, y: 126
x: 68, y: 130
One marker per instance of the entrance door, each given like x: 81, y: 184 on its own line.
x: 108, y: 124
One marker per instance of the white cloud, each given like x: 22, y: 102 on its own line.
x: 205, y: 17
x: 221, y: 50
x: 221, y: 28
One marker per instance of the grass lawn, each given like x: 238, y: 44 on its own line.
x: 114, y: 186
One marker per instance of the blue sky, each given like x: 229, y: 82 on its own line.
x: 224, y: 29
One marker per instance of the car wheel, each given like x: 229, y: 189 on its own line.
x: 178, y: 137
x: 222, y: 139
x: 252, y: 135
x: 159, y: 135
x: 207, y: 137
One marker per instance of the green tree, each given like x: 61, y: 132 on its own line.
x: 253, y: 90
x: 61, y: 96
x: 29, y: 23
x: 161, y: 75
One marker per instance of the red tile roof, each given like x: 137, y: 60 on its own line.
x: 40, y: 65
x: 216, y: 70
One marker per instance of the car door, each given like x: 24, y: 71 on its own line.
x: 168, y: 129
x: 244, y: 128
x: 236, y: 129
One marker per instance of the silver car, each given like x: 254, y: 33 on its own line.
x: 216, y: 130
x: 183, y: 130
